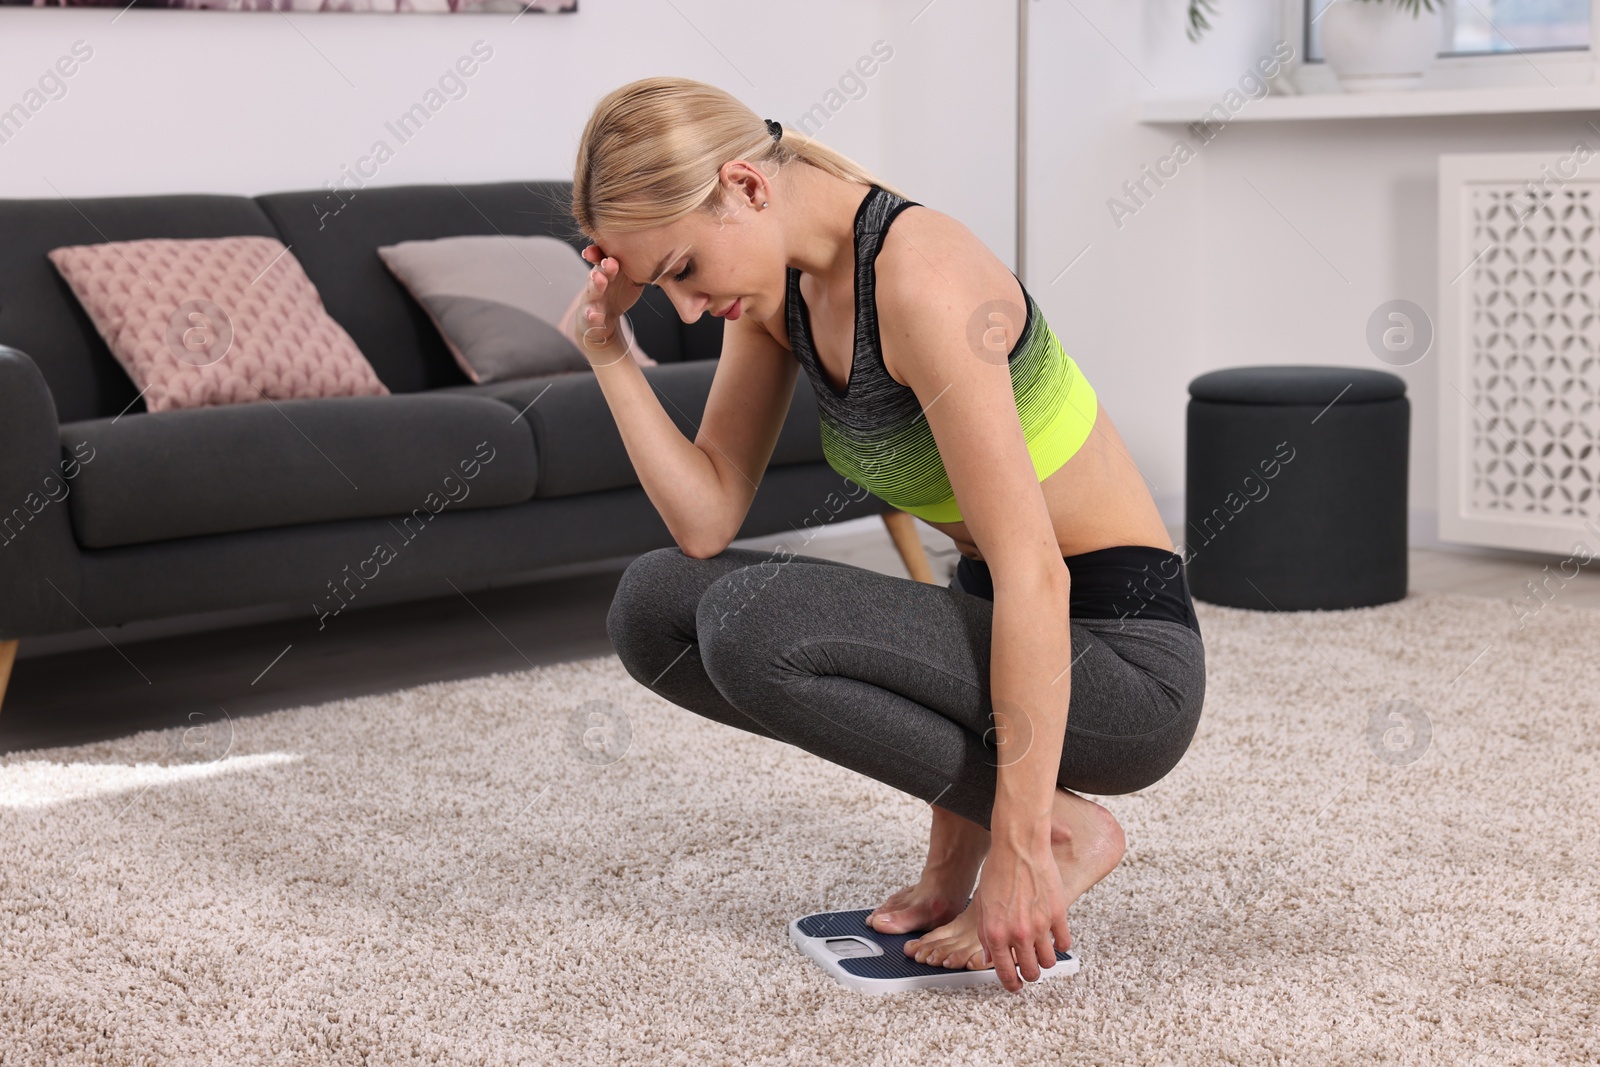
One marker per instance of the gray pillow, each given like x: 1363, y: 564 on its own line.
x: 502, y: 304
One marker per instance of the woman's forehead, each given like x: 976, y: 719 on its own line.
x: 647, y: 254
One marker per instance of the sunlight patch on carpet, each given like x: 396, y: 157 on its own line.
x: 42, y: 783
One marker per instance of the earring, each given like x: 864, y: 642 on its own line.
x: 763, y: 203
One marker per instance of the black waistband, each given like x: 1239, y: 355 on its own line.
x: 1120, y: 582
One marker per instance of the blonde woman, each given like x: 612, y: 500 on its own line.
x: 1064, y: 656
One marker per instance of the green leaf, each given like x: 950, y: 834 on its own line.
x: 1198, y: 23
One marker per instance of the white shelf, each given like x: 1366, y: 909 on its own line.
x: 1397, y: 104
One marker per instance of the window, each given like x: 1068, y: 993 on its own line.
x: 1484, y: 42
x: 1486, y: 27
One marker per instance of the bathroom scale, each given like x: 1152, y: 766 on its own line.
x: 867, y: 961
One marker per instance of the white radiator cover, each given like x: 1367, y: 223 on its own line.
x: 1519, y: 350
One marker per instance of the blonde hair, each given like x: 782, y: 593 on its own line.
x: 652, y: 151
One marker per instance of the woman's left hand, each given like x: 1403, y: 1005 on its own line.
x: 1023, y: 916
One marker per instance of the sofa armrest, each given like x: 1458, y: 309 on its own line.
x: 36, y: 541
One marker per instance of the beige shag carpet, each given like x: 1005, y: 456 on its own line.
x: 1381, y: 848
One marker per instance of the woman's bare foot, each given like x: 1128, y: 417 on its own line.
x: 1088, y: 844
x: 956, y: 848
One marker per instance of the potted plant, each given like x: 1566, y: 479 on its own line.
x: 1369, y: 44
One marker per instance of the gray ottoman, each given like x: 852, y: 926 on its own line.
x: 1295, y: 494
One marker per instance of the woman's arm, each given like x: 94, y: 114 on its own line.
x: 1024, y: 902
x: 702, y: 488
x: 929, y: 293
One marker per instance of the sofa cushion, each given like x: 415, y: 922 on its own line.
x: 214, y: 320
x: 579, y: 447
x: 162, y: 475
x: 40, y: 315
x: 502, y: 304
x: 336, y: 237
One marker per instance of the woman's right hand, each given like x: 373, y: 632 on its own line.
x: 606, y: 295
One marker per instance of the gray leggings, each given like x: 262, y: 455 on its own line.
x: 889, y: 677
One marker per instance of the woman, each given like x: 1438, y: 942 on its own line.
x: 1064, y: 656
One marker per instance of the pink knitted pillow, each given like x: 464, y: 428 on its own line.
x: 224, y: 320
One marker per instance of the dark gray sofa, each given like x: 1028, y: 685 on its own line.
x: 110, y: 514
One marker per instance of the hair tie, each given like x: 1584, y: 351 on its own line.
x: 775, y: 128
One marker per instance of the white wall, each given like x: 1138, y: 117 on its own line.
x: 1365, y: 196
x: 1128, y: 310
x: 1138, y: 310
x: 253, y: 102
x: 1212, y: 272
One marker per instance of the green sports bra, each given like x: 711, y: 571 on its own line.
x: 874, y: 431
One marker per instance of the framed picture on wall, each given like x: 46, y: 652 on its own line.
x: 427, y: 7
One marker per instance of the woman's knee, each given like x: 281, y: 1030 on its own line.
x: 738, y: 623
x: 723, y: 613
x: 645, y: 600
x: 723, y: 605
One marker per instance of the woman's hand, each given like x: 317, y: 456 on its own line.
x: 1023, y: 916
x: 606, y: 295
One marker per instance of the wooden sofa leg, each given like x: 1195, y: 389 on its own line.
x: 903, y: 529
x: 8, y: 656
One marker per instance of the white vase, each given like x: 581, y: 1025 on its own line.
x: 1375, y: 45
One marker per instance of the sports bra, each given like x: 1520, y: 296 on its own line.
x: 874, y: 431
